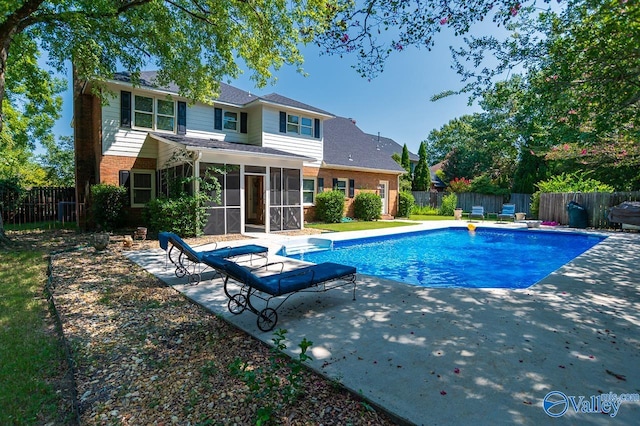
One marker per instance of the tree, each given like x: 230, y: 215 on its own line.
x: 422, y: 175
x: 581, y: 103
x: 58, y: 163
x: 405, y: 161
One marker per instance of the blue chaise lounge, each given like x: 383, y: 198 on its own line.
x: 308, y: 278
x: 187, y: 259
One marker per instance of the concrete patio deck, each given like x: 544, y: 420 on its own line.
x: 461, y: 356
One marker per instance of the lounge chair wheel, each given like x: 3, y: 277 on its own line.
x: 267, y: 319
x: 237, y: 304
x: 181, y: 272
x: 194, y: 278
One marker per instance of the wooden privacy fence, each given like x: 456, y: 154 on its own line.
x: 553, y: 206
x: 428, y: 198
x: 39, y: 204
x: 491, y: 203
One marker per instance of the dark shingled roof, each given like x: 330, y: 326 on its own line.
x: 283, y: 100
x: 390, y: 146
x: 228, y: 146
x: 228, y: 94
x: 346, y: 145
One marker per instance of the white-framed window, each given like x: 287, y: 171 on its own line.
x: 342, y: 185
x: 155, y: 114
x: 230, y: 120
x: 143, y: 185
x: 299, y: 125
x: 308, y: 191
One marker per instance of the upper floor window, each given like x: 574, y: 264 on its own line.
x: 230, y: 120
x: 151, y: 113
x: 299, y: 125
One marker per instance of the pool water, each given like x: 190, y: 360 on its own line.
x: 456, y: 257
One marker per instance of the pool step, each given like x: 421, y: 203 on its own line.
x: 306, y: 246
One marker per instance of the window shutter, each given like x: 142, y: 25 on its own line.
x: 125, y: 109
x: 283, y: 122
x: 243, y: 122
x: 352, y: 187
x: 182, y: 118
x: 334, y: 184
x: 124, y: 178
x: 320, y: 185
x: 217, y: 119
x: 316, y: 128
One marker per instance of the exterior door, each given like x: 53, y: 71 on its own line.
x: 254, y: 203
x: 383, y: 189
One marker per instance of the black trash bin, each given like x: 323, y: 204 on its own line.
x: 577, y: 215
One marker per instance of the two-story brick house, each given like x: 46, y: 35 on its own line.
x: 277, y: 153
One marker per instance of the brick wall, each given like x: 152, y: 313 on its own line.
x: 87, y: 118
x: 364, y: 182
x: 111, y: 165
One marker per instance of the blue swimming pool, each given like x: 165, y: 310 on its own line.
x: 455, y: 257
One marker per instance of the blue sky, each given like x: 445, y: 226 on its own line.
x: 396, y: 103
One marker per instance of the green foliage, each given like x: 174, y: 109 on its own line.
x: 59, y: 163
x: 405, y: 160
x: 406, y: 203
x: 483, y: 185
x: 330, y: 206
x: 183, y: 212
x: 108, y: 204
x: 367, y: 206
x: 567, y: 182
x: 280, y: 383
x: 422, y: 174
x: 449, y: 204
x: 183, y: 215
x: 459, y: 185
x: 425, y: 211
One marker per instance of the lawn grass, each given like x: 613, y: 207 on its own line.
x: 30, y: 356
x: 356, y: 225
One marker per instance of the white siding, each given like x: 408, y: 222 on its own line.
x: 130, y: 142
x: 301, y: 145
x: 254, y: 126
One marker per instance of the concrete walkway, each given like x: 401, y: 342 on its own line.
x: 463, y: 356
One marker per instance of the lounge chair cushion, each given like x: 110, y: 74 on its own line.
x: 283, y: 283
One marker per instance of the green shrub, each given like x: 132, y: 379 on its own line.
x: 567, y: 182
x: 449, y: 203
x: 406, y: 204
x: 367, y: 206
x: 424, y: 211
x: 182, y: 215
x: 330, y: 206
x: 181, y: 212
x: 108, y: 204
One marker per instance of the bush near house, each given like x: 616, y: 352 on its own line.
x: 330, y: 206
x: 184, y: 215
x: 367, y: 206
x: 406, y: 204
x: 108, y: 204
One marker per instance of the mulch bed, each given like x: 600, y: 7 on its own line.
x: 144, y: 354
